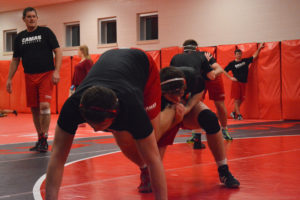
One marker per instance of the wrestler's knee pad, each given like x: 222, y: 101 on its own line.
x: 209, y: 121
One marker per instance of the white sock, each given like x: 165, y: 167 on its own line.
x: 222, y: 162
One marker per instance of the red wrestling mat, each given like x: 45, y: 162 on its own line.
x: 19, y: 129
x: 268, y: 168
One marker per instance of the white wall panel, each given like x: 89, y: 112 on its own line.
x: 210, y: 22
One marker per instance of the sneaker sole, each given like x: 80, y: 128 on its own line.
x: 232, y: 186
x: 42, y: 150
x: 33, y: 150
x: 145, y: 191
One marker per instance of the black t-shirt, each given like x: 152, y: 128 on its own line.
x: 196, y: 59
x: 35, y: 49
x: 194, y: 85
x: 126, y: 72
x: 240, y: 69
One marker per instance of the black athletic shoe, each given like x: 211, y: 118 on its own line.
x: 43, y: 145
x: 197, y: 142
x: 35, y: 148
x: 227, y: 178
x: 226, y: 135
x: 15, y: 112
x: 233, y: 115
x: 145, y: 186
x: 240, y: 117
x: 191, y: 139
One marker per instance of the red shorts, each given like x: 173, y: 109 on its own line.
x: 169, y: 136
x: 238, y: 90
x: 152, y: 91
x: 39, y: 88
x: 215, y: 89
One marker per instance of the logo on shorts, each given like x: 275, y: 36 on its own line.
x: 48, y: 97
x: 151, y: 107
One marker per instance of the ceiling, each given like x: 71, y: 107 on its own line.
x: 9, y: 5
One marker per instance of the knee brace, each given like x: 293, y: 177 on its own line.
x: 209, y: 121
x: 45, y: 111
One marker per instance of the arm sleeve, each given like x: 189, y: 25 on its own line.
x: 17, y: 52
x: 205, y: 68
x: 52, y: 41
x: 212, y: 60
x: 228, y: 67
x: 249, y: 60
x: 69, y: 116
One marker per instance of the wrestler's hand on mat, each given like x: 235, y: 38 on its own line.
x: 179, y: 113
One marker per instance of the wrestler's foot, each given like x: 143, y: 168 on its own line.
x: 145, y: 186
x: 197, y: 142
x: 43, y: 146
x: 239, y: 117
x: 227, y: 178
x: 35, y: 147
x: 233, y: 115
x: 191, y: 139
x: 226, y: 135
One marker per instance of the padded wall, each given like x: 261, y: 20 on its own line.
x: 64, y: 84
x: 211, y: 50
x: 290, y: 74
x: 95, y: 57
x: 225, y: 54
x: 18, y: 96
x: 269, y: 84
x: 4, y: 68
x: 250, y: 108
x: 156, y: 57
x: 167, y: 54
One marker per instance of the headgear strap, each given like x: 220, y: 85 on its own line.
x: 189, y: 47
x: 172, y: 80
x: 112, y: 111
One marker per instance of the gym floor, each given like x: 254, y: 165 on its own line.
x: 264, y: 157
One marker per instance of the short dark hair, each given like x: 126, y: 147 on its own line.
x: 168, y: 73
x: 190, y: 42
x: 28, y: 9
x: 190, y: 45
x: 237, y: 51
x: 98, y: 103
